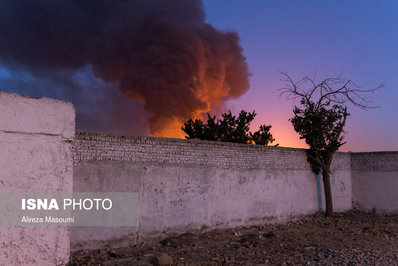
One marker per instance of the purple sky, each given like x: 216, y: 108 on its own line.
x: 356, y: 38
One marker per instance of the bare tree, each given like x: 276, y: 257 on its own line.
x: 320, y: 117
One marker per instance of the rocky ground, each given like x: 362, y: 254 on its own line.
x: 351, y: 238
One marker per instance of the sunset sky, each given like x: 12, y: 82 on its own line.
x: 358, y: 39
x: 355, y: 39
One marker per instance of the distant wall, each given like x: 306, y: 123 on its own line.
x: 35, y: 156
x: 190, y: 184
x: 375, y: 180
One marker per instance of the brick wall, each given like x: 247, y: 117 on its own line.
x: 375, y: 161
x: 107, y: 147
x: 375, y: 180
x: 190, y: 184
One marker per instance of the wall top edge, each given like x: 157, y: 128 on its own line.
x: 22, y: 114
x: 36, y: 98
x: 81, y: 135
x: 374, y: 152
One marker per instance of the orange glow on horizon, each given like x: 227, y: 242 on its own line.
x: 173, y: 130
x: 283, y: 136
x: 282, y: 131
x: 286, y: 139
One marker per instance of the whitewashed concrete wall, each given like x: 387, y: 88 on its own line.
x: 189, y: 184
x: 375, y: 181
x: 35, y: 156
x: 183, y: 184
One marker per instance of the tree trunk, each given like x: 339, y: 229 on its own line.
x: 328, y: 192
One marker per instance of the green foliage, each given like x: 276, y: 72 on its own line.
x: 321, y: 126
x: 320, y: 119
x: 262, y: 136
x: 228, y: 129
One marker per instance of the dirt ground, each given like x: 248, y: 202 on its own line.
x: 351, y: 238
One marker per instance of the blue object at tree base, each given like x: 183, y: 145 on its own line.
x: 318, y: 189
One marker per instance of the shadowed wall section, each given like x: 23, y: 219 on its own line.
x: 189, y: 184
x: 375, y: 180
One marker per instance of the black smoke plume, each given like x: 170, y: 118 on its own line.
x: 159, y: 52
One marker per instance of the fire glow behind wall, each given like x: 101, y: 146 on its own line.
x: 160, y: 53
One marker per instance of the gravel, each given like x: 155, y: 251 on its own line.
x: 350, y: 238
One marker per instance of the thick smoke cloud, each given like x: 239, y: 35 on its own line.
x: 101, y: 106
x: 159, y: 52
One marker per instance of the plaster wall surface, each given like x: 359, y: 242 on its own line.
x: 375, y: 180
x: 183, y: 185
x: 35, y: 156
x: 189, y: 184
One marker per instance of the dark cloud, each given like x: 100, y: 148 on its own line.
x: 159, y: 52
x: 100, y: 106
